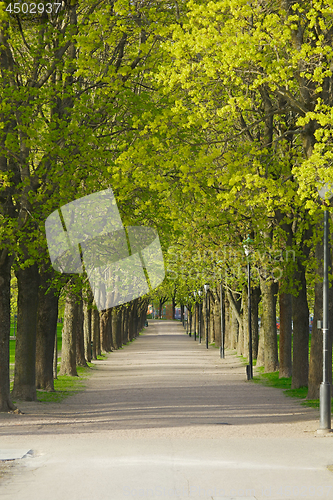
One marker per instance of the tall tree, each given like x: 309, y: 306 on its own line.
x: 47, y: 317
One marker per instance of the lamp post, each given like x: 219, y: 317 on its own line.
x: 326, y: 193
x: 206, y: 287
x: 222, y: 324
x: 199, y: 316
x: 247, y: 250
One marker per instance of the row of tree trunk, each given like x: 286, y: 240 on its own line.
x: 292, y: 359
x: 86, y: 332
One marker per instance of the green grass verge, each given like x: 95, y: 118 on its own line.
x: 273, y: 380
x: 66, y: 386
x: 245, y: 361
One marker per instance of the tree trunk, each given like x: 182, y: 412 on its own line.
x: 68, y: 350
x: 211, y: 301
x: 261, y: 345
x: 227, y: 324
x: 285, y: 304
x: 6, y: 404
x: 8, y: 213
x: 204, y: 318
x: 245, y: 316
x: 25, y: 355
x: 87, y: 330
x: 217, y: 317
x: 47, y: 316
x: 95, y: 333
x: 269, y: 318
x: 234, y: 330
x: 123, y: 325
x: 237, y: 330
x: 130, y: 321
x: 105, y: 330
x: 316, y: 350
x: 300, y: 369
x: 80, y: 357
x: 115, y: 338
x: 55, y: 358
x: 119, y: 326
x: 162, y: 301
x: 239, y: 316
x: 135, y: 319
x: 255, y: 299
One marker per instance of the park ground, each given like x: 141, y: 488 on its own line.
x: 165, y: 418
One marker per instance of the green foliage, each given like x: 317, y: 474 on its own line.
x: 210, y: 120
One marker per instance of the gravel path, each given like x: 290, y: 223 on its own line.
x: 166, y: 418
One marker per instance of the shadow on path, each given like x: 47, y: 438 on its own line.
x: 164, y: 379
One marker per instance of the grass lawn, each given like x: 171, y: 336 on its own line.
x: 273, y: 380
x: 66, y: 386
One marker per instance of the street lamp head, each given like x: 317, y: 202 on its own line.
x: 206, y: 287
x: 325, y: 191
x: 247, y: 245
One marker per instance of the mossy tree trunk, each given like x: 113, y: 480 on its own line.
x: 80, y: 356
x: 68, y: 350
x: 300, y: 370
x: 25, y: 354
x: 47, y: 316
x: 95, y: 333
x: 234, y: 330
x: 105, y: 330
x: 316, y: 350
x: 245, y: 317
x: 217, y: 317
x: 6, y: 404
x: 236, y: 320
x: 269, y: 318
x: 261, y: 345
x: 255, y: 299
x: 115, y: 338
x: 87, y: 329
x: 285, y: 307
x: 227, y: 329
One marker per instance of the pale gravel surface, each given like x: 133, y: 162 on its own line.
x: 176, y: 416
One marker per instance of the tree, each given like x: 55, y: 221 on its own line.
x: 47, y: 316
x: 262, y: 70
x: 68, y: 354
x: 71, y: 96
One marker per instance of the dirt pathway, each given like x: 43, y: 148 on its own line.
x: 166, y: 418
